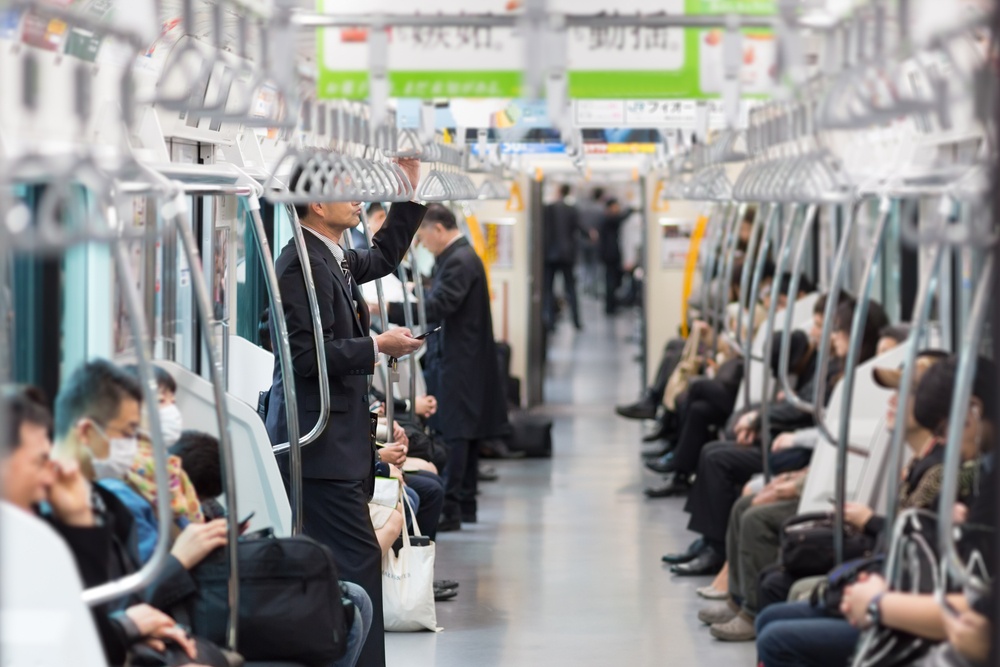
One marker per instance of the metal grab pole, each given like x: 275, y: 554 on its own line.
x: 388, y: 374
x: 284, y: 351
x: 784, y: 356
x: 758, y: 277
x: 727, y: 280
x: 832, y: 298
x: 204, y: 306
x: 418, y: 286
x: 722, y: 263
x: 965, y: 376
x: 921, y: 316
x: 772, y: 311
x: 747, y: 311
x: 708, y: 266
x: 408, y: 315
x: 164, y: 517
x: 858, y: 325
x: 319, y: 340
x: 317, y: 321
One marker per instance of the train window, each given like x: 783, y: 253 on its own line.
x: 282, y: 229
x: 251, y: 289
x: 35, y: 289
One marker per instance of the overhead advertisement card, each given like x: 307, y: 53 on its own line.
x: 637, y: 62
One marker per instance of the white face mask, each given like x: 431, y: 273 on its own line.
x: 424, y: 259
x: 172, y: 423
x: 121, y: 453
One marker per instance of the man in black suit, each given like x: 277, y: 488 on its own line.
x: 466, y: 377
x: 611, y: 252
x: 337, y: 469
x: 561, y: 223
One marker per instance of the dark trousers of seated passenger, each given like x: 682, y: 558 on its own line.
x: 752, y: 540
x: 430, y: 488
x: 723, y: 468
x: 461, y: 478
x: 796, y: 633
x: 774, y: 586
x: 335, y: 513
x: 707, y: 406
x: 668, y: 362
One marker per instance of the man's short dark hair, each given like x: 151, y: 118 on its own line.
x: 22, y: 405
x: 375, y: 207
x: 199, y: 455
x: 819, y: 308
x: 597, y: 194
x: 96, y: 391
x: 564, y: 190
x: 442, y: 215
x: 611, y: 202
x: 933, y: 396
x: 164, y: 380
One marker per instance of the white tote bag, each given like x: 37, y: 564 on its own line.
x: 408, y: 584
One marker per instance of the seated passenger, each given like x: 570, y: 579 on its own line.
x: 652, y: 398
x: 724, y: 467
x: 754, y: 531
x: 799, y: 634
x: 31, y: 479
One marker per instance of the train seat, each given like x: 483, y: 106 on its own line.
x: 258, y: 481
x: 43, y: 619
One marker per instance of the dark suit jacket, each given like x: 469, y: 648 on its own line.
x: 562, y: 232
x: 110, y: 551
x: 609, y: 244
x: 342, y: 451
x: 465, y: 378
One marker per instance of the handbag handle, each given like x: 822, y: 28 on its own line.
x: 413, y: 518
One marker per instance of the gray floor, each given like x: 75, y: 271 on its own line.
x: 564, y: 566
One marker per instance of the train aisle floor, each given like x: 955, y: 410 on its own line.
x: 563, y: 567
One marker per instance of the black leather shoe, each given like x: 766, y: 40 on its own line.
x: 445, y: 583
x: 644, y: 409
x: 663, y: 465
x: 498, y: 449
x: 708, y: 562
x: 488, y: 473
x: 441, y: 594
x: 449, y: 523
x: 693, y: 550
x: 661, y: 433
x: 676, y: 485
x: 659, y: 450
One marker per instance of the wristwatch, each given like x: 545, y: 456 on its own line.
x: 873, y: 616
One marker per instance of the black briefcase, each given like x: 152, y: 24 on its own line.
x: 290, y: 601
x: 531, y: 434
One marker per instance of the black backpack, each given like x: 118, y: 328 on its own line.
x: 290, y: 601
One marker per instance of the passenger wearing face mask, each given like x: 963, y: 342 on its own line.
x: 137, y: 489
x: 97, y: 429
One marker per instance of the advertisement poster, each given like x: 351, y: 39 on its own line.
x: 675, y: 241
x: 604, y: 62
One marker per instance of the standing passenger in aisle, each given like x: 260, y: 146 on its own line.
x: 611, y: 252
x: 561, y: 224
x: 338, y: 468
x: 471, y: 405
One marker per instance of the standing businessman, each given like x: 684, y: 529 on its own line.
x: 562, y: 231
x: 611, y: 252
x: 338, y: 468
x: 466, y: 376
